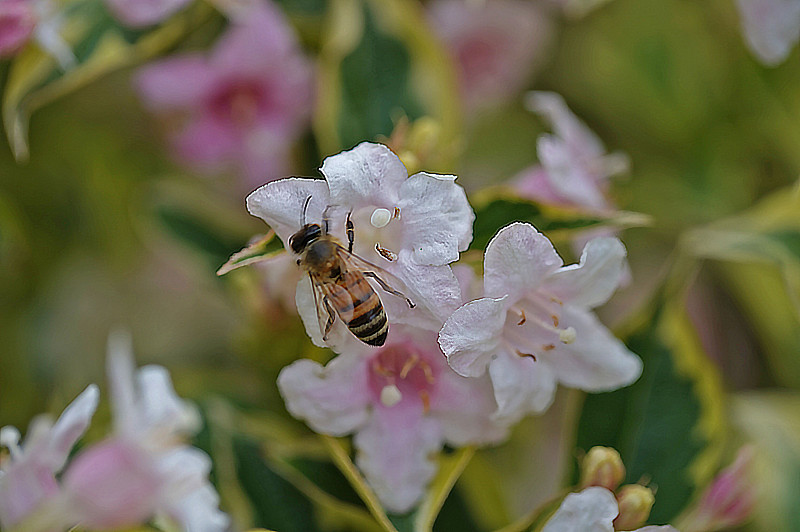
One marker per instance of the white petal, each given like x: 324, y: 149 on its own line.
x: 771, y: 28
x: 521, y: 386
x: 160, y: 407
x: 120, y: 369
x: 338, y: 337
x: 70, y: 426
x: 280, y: 204
x: 464, y: 408
x: 571, y: 173
x: 369, y: 174
x: 433, y: 289
x: 565, y: 124
x: 471, y: 336
x: 395, y: 452
x: 517, y: 260
x: 199, y: 511
x: 333, y: 399
x: 596, y: 361
x: 592, y: 509
x: 594, y: 279
x: 437, y: 218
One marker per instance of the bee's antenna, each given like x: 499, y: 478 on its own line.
x: 305, y: 208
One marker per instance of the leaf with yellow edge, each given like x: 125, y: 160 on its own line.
x: 379, y: 62
x: 100, y: 45
x: 258, y: 251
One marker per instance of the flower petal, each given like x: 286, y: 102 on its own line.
x: 521, y: 386
x: 369, y: 174
x: 339, y: 336
x: 596, y: 361
x: 177, y: 82
x: 137, y: 13
x: 464, y: 407
x: 160, y: 407
x: 471, y: 336
x: 433, y: 289
x: 207, y: 143
x: 592, y: 509
x: 70, y: 426
x: 437, y: 218
x: 333, y: 399
x: 517, y: 259
x: 120, y: 369
x: 280, y: 204
x: 771, y: 28
x: 199, y: 511
x: 594, y: 279
x: 395, y: 453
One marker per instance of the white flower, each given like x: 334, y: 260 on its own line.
x: 27, y: 476
x: 402, y: 403
x: 144, y: 468
x: 420, y: 224
x: 592, y: 509
x: 771, y: 28
x: 534, y: 328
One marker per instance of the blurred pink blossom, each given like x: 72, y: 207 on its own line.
x: 144, y: 468
x: 27, y: 476
x: 574, y: 167
x: 771, y: 28
x: 244, y: 104
x: 17, y: 21
x: 496, y: 46
x: 402, y: 402
x: 136, y: 13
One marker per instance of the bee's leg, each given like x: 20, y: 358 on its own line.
x: 350, y: 232
x: 331, y: 318
x: 326, y: 220
x: 388, y: 288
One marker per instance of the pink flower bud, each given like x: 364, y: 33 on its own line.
x: 17, y: 22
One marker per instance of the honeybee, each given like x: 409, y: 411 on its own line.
x: 339, y: 280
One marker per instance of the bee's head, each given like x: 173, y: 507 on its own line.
x: 302, y: 238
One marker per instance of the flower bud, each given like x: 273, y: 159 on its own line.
x: 635, y: 502
x: 17, y: 21
x: 602, y: 466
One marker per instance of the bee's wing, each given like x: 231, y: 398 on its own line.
x: 387, y: 281
x: 331, y: 300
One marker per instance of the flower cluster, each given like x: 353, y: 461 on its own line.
x: 143, y: 469
x: 452, y: 370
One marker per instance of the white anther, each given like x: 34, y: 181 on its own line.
x: 567, y: 335
x: 380, y: 217
x: 9, y: 438
x: 390, y: 395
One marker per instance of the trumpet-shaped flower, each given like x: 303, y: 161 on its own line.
x: 574, y: 167
x: 27, y: 475
x: 496, y: 46
x: 240, y: 107
x: 402, y: 403
x: 143, y: 469
x: 771, y: 28
x: 592, y: 509
x: 137, y: 13
x: 534, y: 328
x: 411, y: 227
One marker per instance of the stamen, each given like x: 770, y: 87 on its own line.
x: 9, y: 438
x: 522, y: 318
x: 380, y: 217
x: 523, y: 355
x: 390, y: 395
x: 555, y: 320
x: 396, y: 213
x: 426, y: 401
x: 411, y: 362
x: 548, y: 347
x: 385, y: 253
x: 380, y: 370
x: 428, y: 372
x: 568, y: 335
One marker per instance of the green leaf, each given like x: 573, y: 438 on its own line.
x: 496, y: 208
x: 100, y: 45
x: 380, y: 63
x: 669, y: 425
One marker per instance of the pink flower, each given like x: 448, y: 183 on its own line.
x: 591, y: 509
x: 771, y: 28
x: 496, y: 46
x: 533, y: 327
x: 27, y: 477
x: 17, y: 21
x: 574, y: 167
x: 402, y: 403
x: 143, y: 469
x: 423, y: 222
x: 136, y: 13
x: 244, y: 104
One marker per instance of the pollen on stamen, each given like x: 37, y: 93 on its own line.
x: 426, y: 401
x: 568, y: 335
x: 411, y: 362
x: 524, y: 355
x: 522, y: 318
x: 380, y: 217
x: 390, y: 395
x: 428, y: 372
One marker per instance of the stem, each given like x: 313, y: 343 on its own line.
x: 441, y: 488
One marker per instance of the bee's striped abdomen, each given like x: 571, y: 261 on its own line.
x: 368, y: 320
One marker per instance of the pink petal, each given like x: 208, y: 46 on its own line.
x: 522, y: 386
x: 463, y: 406
x: 517, y: 260
x: 175, y: 83
x: 208, y: 143
x: 70, y: 426
x: 17, y: 22
x: 138, y: 13
x: 472, y: 335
